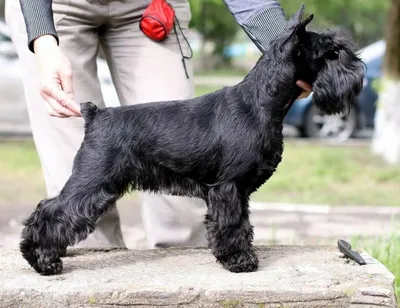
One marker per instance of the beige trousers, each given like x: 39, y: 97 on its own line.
x: 142, y: 71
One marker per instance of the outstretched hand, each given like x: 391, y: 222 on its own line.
x: 56, y: 79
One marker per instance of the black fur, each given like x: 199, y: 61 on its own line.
x: 220, y: 147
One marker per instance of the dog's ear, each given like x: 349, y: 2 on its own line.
x: 296, y: 18
x: 296, y: 22
x: 296, y: 27
x: 339, y: 83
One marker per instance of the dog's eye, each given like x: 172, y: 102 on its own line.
x: 333, y: 54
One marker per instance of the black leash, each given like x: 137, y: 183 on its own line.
x: 180, y: 47
x: 345, y: 248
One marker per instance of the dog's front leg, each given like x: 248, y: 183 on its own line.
x: 229, y: 231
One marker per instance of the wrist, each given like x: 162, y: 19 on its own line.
x: 43, y: 43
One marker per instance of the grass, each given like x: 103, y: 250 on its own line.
x: 223, y: 72
x: 21, y: 179
x: 332, y: 175
x: 386, y: 250
x: 200, y: 90
x: 308, y: 173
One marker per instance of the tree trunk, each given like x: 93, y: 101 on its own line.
x: 386, y: 139
x: 2, y: 9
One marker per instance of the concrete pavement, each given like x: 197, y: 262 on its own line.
x: 288, y: 276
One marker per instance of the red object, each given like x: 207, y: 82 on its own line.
x: 157, y: 20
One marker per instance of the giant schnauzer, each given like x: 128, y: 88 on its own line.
x: 220, y: 147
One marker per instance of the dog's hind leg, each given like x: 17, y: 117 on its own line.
x: 65, y: 220
x: 229, y: 231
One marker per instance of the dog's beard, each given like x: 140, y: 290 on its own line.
x: 338, y: 84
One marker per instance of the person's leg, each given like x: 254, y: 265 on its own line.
x: 145, y: 71
x: 57, y: 140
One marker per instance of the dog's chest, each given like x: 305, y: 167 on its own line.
x: 271, y: 155
x: 269, y: 158
x: 272, y: 146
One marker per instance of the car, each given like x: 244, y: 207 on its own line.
x: 311, y: 123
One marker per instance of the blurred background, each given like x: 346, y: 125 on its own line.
x: 340, y: 175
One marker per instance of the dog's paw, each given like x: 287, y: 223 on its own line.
x: 48, y: 262
x: 243, y: 261
x: 48, y: 268
x: 45, y: 261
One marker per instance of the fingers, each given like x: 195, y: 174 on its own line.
x: 307, y: 89
x: 54, y: 113
x: 57, y: 87
x: 67, y: 86
x: 60, y: 101
x: 54, y: 101
x: 304, y: 85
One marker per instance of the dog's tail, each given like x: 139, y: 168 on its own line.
x: 89, y: 111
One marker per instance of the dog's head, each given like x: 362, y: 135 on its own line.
x: 325, y: 59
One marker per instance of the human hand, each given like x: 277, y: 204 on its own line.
x: 56, y: 78
x: 307, y: 89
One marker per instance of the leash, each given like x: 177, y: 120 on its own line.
x: 180, y: 48
x: 345, y: 248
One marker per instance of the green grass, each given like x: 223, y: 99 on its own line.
x: 332, y: 175
x: 223, y: 72
x: 316, y: 174
x: 21, y: 179
x: 200, y: 90
x: 386, y: 250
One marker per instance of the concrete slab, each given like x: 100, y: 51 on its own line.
x: 289, y: 276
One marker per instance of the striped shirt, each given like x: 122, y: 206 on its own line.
x: 262, y: 20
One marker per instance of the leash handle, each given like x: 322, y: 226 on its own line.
x: 345, y: 248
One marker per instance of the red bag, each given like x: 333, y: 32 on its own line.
x: 157, y: 20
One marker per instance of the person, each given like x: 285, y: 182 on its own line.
x: 58, y: 42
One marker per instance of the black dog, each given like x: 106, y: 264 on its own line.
x: 220, y: 147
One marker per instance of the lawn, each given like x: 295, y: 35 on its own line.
x: 308, y: 173
x: 223, y: 72
x: 334, y: 175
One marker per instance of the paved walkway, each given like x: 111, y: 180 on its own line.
x: 274, y: 223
